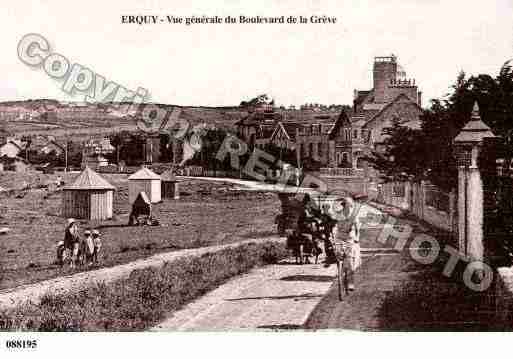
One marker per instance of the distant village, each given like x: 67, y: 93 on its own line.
x: 336, y: 137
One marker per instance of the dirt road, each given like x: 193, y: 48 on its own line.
x: 33, y: 292
x: 394, y: 292
x: 274, y: 297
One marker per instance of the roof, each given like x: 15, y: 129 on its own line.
x: 375, y: 114
x: 144, y: 174
x: 475, y: 130
x: 89, y: 180
x: 363, y: 97
x: 259, y: 118
x: 18, y: 143
x: 290, y: 129
x: 38, y: 143
x: 343, y: 118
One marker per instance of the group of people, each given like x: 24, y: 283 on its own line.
x: 76, y: 249
x: 338, y: 228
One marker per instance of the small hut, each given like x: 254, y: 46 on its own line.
x: 140, y: 207
x: 89, y: 197
x: 170, y: 187
x: 146, y: 181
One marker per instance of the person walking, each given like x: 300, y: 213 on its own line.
x: 346, y: 233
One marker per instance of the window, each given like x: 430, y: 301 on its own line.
x: 360, y: 163
x: 355, y: 133
x: 398, y: 189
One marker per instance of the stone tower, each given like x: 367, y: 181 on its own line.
x: 384, y: 73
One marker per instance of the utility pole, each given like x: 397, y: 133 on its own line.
x: 66, y: 156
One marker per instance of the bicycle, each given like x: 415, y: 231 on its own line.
x: 342, y: 280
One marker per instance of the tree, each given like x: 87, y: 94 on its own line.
x: 74, y: 154
x: 118, y: 140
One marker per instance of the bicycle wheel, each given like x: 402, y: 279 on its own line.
x: 340, y: 279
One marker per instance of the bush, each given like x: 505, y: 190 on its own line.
x: 143, y: 299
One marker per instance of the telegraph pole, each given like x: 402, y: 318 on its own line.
x: 66, y: 156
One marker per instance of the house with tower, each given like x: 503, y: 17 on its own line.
x: 341, y: 142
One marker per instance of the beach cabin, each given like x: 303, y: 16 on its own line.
x: 170, y: 187
x: 89, y: 197
x: 146, y: 181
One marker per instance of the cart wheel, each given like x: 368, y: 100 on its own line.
x: 340, y: 279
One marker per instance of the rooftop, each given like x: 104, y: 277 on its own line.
x: 90, y: 180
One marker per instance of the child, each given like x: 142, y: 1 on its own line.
x: 97, y: 245
x: 87, y: 248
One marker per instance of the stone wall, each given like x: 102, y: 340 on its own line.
x: 342, y: 186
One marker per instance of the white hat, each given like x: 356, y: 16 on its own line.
x: 70, y: 221
x: 96, y: 232
x: 87, y: 232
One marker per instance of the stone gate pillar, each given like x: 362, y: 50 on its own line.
x: 468, y: 144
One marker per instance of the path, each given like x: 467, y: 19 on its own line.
x: 249, y: 185
x: 273, y: 297
x: 14, y: 296
x: 396, y: 293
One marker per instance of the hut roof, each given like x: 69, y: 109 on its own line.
x: 144, y: 174
x: 168, y: 176
x: 89, y: 180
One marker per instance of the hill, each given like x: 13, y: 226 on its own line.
x: 83, y: 120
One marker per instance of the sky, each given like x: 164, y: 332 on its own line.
x: 223, y: 64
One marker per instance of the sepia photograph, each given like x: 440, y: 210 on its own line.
x: 308, y: 167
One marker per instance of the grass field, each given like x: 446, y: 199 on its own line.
x: 207, y: 214
x: 144, y: 298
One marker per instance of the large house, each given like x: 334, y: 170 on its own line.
x: 343, y: 141
x: 94, y: 151
x: 393, y: 99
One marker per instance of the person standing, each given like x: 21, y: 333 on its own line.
x: 97, y: 241
x: 87, y: 248
x: 327, y: 223
x: 72, y: 241
x: 346, y: 234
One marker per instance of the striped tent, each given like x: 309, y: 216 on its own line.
x: 89, y: 197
